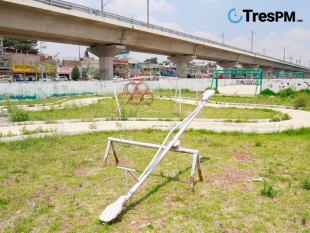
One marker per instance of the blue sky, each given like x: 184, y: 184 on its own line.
x: 209, y: 19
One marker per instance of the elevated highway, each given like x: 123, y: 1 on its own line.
x: 108, y: 34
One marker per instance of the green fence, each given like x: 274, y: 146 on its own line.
x: 238, y: 74
x: 283, y: 74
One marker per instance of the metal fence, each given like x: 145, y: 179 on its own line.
x: 99, y: 13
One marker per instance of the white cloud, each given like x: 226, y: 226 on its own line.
x: 206, y: 35
x: 298, y: 33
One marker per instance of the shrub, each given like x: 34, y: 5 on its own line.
x: 288, y: 92
x: 268, y: 191
x: 306, y: 183
x: 285, y: 117
x: 301, y: 101
x: 268, y: 92
x: 18, y: 115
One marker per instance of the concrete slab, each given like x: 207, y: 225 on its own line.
x: 239, y: 90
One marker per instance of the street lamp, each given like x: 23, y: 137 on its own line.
x: 41, y: 47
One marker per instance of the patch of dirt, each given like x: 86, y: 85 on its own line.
x: 124, y: 161
x: 229, y: 177
x: 240, y: 156
x: 86, y: 171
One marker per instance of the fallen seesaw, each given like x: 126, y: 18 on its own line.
x: 114, y: 209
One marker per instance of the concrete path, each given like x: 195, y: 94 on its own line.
x: 299, y: 119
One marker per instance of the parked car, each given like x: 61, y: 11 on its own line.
x: 116, y: 77
x: 6, y: 78
x: 46, y: 79
x: 62, y: 78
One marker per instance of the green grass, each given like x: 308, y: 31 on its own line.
x: 59, y: 183
x: 52, y: 100
x: 160, y: 108
x: 286, y: 97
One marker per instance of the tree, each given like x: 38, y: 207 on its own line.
x: 152, y: 60
x: 75, y: 73
x: 20, y: 44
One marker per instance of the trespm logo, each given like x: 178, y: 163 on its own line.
x: 251, y: 16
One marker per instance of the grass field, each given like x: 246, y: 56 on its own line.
x: 59, y: 184
x: 160, y: 108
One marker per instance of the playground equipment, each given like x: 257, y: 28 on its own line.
x: 241, y: 73
x: 137, y: 91
x: 112, y: 210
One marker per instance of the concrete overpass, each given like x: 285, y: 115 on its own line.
x: 108, y: 34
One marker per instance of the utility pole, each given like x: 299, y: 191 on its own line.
x: 222, y: 37
x: 148, y: 13
x: 284, y: 54
x: 291, y: 58
x: 300, y: 60
x: 252, y: 41
x: 102, y: 5
x: 41, y: 62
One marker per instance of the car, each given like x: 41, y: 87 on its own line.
x: 62, y: 78
x: 6, y: 78
x: 116, y: 77
x: 46, y: 79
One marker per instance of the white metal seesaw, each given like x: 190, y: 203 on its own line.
x: 113, y: 210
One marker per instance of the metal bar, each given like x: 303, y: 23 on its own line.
x: 199, y: 168
x: 191, y: 180
x: 114, y: 152
x: 126, y: 177
x: 151, y: 145
x: 105, y: 158
x: 126, y: 168
x: 133, y: 175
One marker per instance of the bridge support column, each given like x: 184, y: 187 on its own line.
x: 106, y: 54
x: 181, y: 62
x: 268, y: 71
x: 228, y: 65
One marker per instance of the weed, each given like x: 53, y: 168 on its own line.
x: 275, y: 119
x: 268, y: 92
x: 39, y: 129
x: 304, y: 219
x: 301, y: 101
x: 118, y: 124
x: 93, y: 125
x: 285, y: 117
x: 306, y: 183
x: 288, y: 92
x: 268, y: 191
x: 10, y: 134
x: 18, y: 115
x: 258, y: 144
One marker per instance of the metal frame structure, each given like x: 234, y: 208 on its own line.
x: 258, y: 72
x: 287, y: 75
x: 112, y: 210
x: 134, y: 90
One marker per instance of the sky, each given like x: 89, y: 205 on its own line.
x: 209, y: 19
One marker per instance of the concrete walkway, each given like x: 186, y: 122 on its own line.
x: 299, y: 119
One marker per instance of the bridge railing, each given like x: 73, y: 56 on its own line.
x: 99, y: 13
